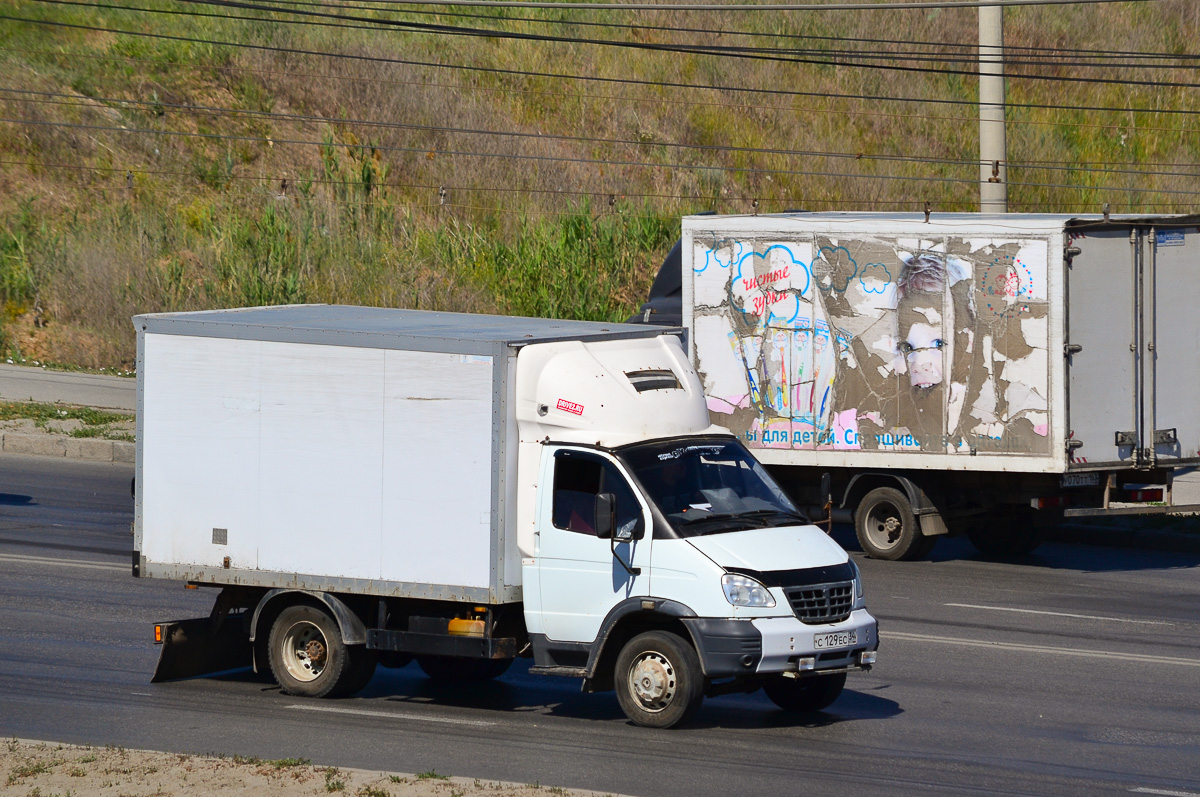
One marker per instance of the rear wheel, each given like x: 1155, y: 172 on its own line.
x: 887, y: 528
x: 455, y: 669
x: 306, y: 653
x: 658, y: 680
x: 804, y: 694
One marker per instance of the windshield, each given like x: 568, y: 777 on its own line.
x: 709, y: 486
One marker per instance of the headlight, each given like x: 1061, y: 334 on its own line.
x: 858, y: 587
x: 745, y: 591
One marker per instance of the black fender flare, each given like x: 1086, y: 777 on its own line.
x: 353, y: 631
x: 660, y: 607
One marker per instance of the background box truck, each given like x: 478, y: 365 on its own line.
x: 365, y: 486
x: 953, y: 373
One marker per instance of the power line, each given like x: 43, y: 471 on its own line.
x: 690, y: 49
x: 582, y: 78
x: 376, y: 81
x: 939, y: 45
x: 712, y: 50
x: 588, y: 161
x: 94, y: 103
x: 787, y: 201
x: 881, y: 6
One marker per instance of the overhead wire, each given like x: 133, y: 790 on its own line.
x: 711, y: 50
x: 376, y: 81
x: 586, y: 161
x: 969, y: 46
x: 357, y: 57
x: 96, y: 103
x: 611, y: 197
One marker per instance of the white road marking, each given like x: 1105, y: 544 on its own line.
x: 41, y: 560
x: 1164, y: 792
x: 391, y: 715
x: 1014, y: 646
x: 1058, y: 614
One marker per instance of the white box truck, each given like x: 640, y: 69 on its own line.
x: 986, y: 374
x: 367, y: 485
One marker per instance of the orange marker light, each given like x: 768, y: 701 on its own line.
x: 158, y: 633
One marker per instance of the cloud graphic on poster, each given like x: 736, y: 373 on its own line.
x: 871, y: 271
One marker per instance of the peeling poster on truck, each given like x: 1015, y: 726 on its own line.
x: 904, y: 345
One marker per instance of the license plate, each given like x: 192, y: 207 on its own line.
x: 841, y: 639
x: 1080, y: 480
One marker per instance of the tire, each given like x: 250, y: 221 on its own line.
x: 887, y: 528
x: 658, y: 680
x: 306, y: 653
x: 1005, y: 536
x: 457, y: 670
x: 803, y: 695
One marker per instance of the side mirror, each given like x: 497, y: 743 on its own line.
x: 606, y: 515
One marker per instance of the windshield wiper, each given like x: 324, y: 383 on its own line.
x: 785, y: 512
x: 723, y: 519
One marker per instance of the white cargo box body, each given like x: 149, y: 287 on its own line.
x: 968, y: 341
x: 334, y: 448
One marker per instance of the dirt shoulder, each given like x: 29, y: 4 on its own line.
x: 47, y: 769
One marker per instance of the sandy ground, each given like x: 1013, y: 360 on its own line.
x: 47, y: 769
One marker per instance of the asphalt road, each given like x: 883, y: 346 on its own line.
x: 23, y: 383
x: 1072, y: 672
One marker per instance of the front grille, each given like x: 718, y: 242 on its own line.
x: 821, y: 603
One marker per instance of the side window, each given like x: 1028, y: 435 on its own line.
x: 578, y: 479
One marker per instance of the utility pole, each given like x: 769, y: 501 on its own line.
x: 993, y: 166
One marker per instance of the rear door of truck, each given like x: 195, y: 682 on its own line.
x: 1133, y: 342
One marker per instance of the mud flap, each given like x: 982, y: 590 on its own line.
x: 191, y: 648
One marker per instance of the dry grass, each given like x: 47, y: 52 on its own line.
x: 96, y: 225
x: 53, y: 770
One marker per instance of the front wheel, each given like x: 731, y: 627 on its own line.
x: 887, y: 528
x: 658, y: 680
x: 803, y: 695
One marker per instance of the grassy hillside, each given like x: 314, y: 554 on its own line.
x: 174, y: 157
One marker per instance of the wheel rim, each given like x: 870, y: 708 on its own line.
x: 305, y: 652
x: 652, y: 681
x: 884, y: 526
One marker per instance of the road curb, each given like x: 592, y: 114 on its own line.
x: 52, y: 445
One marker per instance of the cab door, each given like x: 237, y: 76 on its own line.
x: 581, y: 579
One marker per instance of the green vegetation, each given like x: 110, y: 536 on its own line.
x: 154, y: 174
x: 431, y: 775
x: 95, y: 423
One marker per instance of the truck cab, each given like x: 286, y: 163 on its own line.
x: 672, y: 567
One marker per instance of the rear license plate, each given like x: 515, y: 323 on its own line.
x: 842, y: 639
x: 1080, y: 480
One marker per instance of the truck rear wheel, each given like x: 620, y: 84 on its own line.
x: 455, y: 670
x: 658, y: 680
x: 307, y: 655
x: 887, y: 528
x: 804, y: 694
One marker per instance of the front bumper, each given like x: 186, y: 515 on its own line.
x: 729, y: 647
x: 789, y: 645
